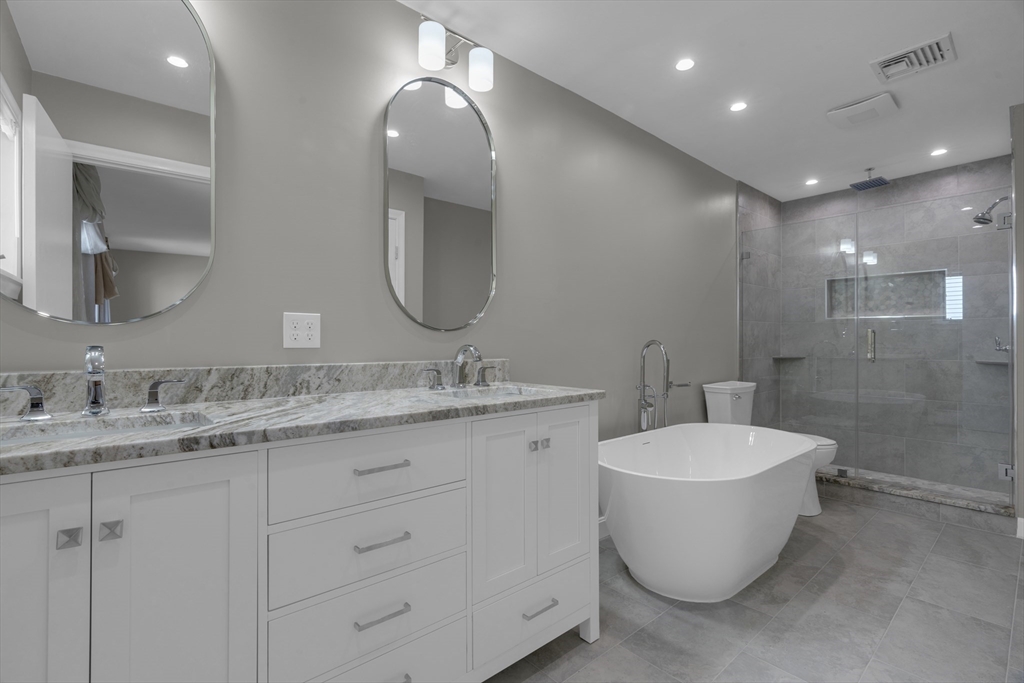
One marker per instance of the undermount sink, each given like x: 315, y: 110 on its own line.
x: 493, y: 391
x: 75, y: 427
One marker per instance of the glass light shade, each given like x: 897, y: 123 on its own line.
x: 454, y: 99
x: 432, y: 45
x: 415, y: 85
x: 870, y: 258
x: 481, y: 69
x: 846, y: 246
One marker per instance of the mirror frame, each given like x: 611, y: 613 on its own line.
x: 213, y: 196
x: 494, y: 206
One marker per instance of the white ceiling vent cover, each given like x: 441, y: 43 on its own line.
x: 874, y: 107
x: 916, y: 59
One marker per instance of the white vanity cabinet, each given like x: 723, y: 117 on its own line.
x: 174, y: 571
x: 166, y: 553
x: 44, y: 580
x: 443, y: 551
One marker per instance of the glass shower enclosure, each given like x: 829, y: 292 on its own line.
x: 894, y: 328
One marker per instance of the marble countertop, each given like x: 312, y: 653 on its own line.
x: 70, y: 440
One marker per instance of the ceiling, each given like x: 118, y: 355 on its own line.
x: 446, y: 147
x: 120, y: 46
x: 789, y: 60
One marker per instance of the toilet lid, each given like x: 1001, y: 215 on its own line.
x: 820, y: 440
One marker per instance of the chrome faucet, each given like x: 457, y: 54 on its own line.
x: 460, y: 364
x: 36, y: 411
x: 1000, y: 346
x: 96, y: 402
x: 648, y: 403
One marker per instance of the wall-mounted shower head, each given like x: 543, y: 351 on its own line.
x: 985, y: 217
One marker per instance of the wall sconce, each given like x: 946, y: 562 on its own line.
x: 435, y: 55
x: 870, y: 258
x: 847, y: 246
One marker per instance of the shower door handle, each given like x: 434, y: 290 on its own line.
x: 871, y: 345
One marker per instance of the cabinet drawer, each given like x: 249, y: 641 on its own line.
x: 320, y: 557
x: 319, y: 477
x: 439, y: 657
x: 325, y: 636
x: 502, y: 626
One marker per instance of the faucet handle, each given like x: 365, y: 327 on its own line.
x: 36, y: 411
x: 95, y: 362
x: 153, y: 404
x: 480, y: 380
x: 435, y: 379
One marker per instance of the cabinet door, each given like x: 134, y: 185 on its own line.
x: 44, y: 580
x: 504, y: 503
x: 174, y: 572
x: 563, y: 486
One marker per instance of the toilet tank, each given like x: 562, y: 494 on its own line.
x: 730, y: 402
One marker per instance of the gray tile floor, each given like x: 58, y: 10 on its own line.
x: 858, y: 594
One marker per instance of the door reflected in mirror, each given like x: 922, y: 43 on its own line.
x: 440, y: 196
x: 107, y: 110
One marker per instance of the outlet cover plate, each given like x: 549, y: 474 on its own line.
x: 302, y: 330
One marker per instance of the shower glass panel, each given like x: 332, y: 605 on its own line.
x: 890, y: 301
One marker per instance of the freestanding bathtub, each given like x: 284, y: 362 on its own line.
x: 698, y: 511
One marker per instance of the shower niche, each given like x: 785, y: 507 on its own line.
x: 924, y: 294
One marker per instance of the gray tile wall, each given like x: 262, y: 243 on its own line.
x: 928, y: 409
x: 758, y: 217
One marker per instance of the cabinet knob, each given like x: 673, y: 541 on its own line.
x: 110, y: 531
x: 545, y: 443
x: 69, y: 538
x: 533, y: 446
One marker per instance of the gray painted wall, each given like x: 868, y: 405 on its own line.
x: 103, y: 117
x: 456, y: 262
x: 13, y: 61
x: 405, y: 193
x: 148, y: 281
x: 607, y: 236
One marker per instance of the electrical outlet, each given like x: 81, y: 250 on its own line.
x: 302, y: 330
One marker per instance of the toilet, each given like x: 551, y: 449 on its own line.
x: 733, y: 402
x: 824, y: 454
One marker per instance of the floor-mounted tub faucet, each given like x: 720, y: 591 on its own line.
x: 95, y: 364
x: 647, y: 406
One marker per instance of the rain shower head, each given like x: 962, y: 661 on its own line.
x: 870, y: 182
x: 985, y: 217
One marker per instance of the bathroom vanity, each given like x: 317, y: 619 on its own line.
x: 395, y: 535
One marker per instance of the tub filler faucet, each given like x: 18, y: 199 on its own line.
x: 647, y: 406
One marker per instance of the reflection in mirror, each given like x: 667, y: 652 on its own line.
x: 440, y: 226
x: 107, y: 111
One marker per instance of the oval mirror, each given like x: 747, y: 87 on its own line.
x: 106, y: 147
x: 439, y: 201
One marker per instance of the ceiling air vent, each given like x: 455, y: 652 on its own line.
x: 909, y: 62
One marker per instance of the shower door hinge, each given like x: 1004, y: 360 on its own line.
x: 1007, y: 472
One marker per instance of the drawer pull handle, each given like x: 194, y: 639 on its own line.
x: 406, y: 608
x: 383, y: 544
x: 531, y: 617
x: 385, y: 468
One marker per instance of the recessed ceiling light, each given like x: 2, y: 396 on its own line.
x: 812, y: 181
x: 392, y: 133
x: 939, y: 152
x: 739, y: 106
x: 177, y: 61
x: 415, y: 85
x: 967, y: 208
x: 684, y: 64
